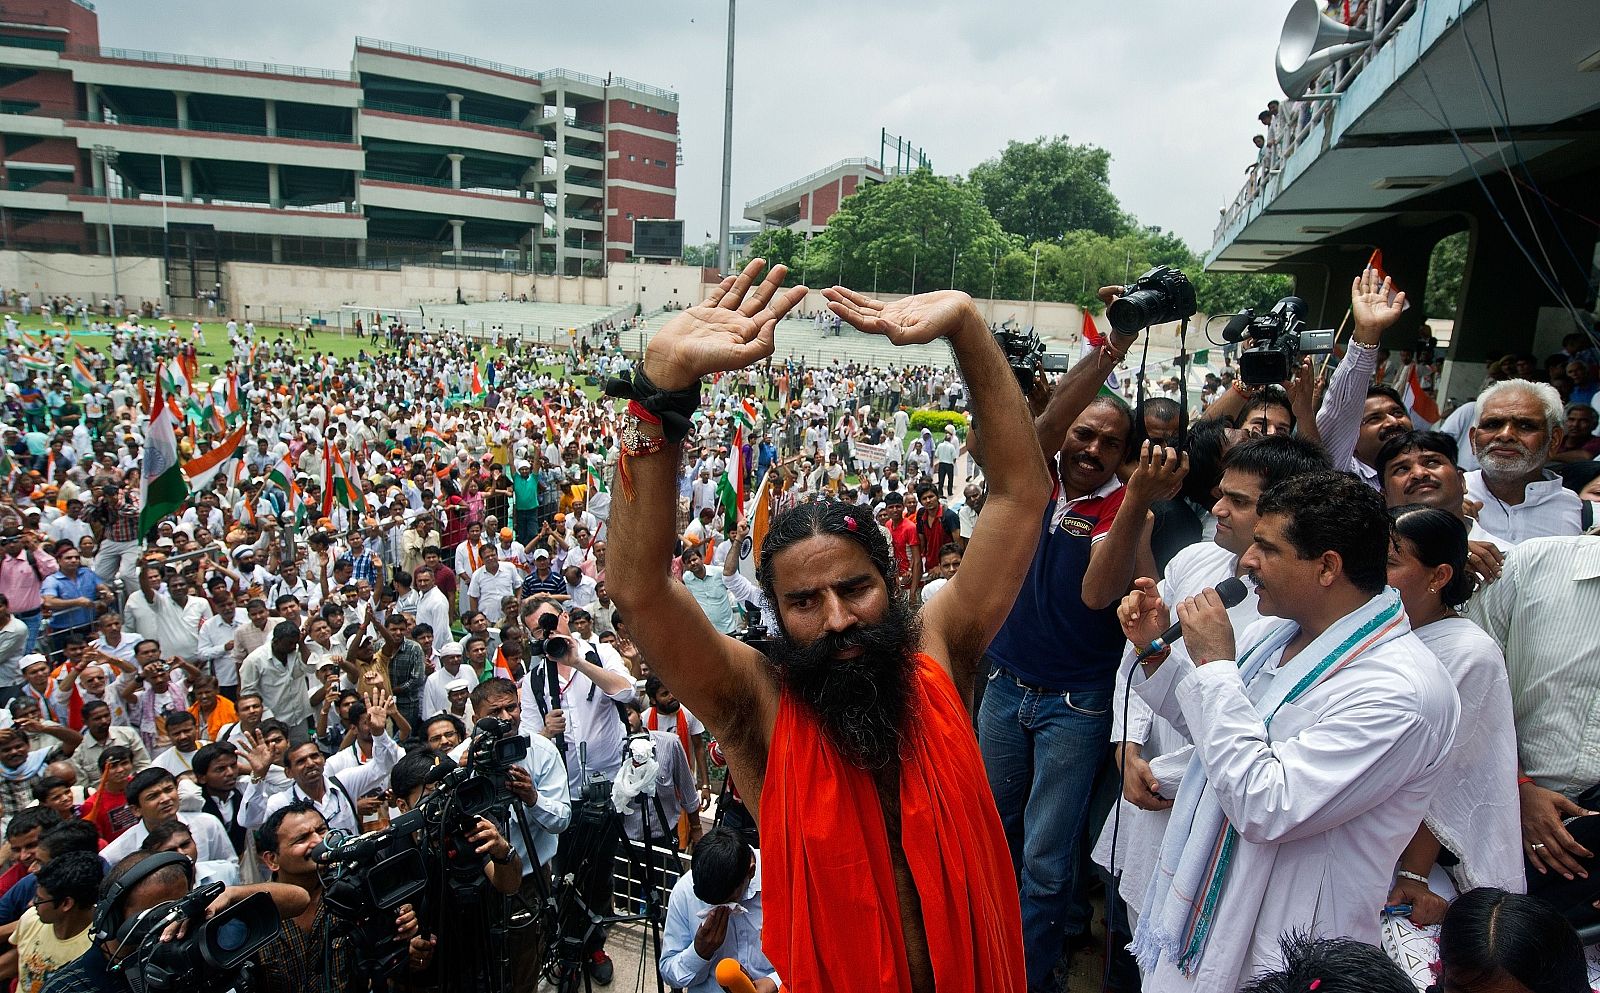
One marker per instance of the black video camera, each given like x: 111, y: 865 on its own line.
x: 210, y: 957
x: 1278, y: 339
x: 1024, y: 353
x: 1160, y: 296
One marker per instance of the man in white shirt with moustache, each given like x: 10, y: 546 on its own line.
x: 215, y: 653
x: 1519, y: 425
x: 1155, y: 753
x: 435, y: 691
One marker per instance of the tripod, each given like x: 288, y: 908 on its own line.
x: 571, y: 923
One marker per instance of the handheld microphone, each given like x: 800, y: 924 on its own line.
x: 731, y: 977
x: 1232, y: 591
x: 1235, y: 329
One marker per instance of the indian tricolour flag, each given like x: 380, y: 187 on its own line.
x: 38, y: 363
x: 730, y: 489
x: 433, y: 436
x: 82, y: 378
x: 337, y: 486
x: 1424, y: 412
x: 281, y: 474
x: 204, y: 468
x: 162, y: 484
x: 599, y: 494
x: 746, y: 414
x: 759, y: 516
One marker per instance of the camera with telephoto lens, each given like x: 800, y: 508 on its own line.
x: 213, y: 953
x: 1277, y: 339
x: 549, y: 644
x: 1160, y: 296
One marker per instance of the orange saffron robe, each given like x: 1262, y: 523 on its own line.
x: 832, y: 916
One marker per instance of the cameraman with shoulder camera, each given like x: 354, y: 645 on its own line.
x: 310, y: 952
x: 118, y: 932
x: 543, y: 810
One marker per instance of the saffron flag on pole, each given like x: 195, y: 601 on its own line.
x: 162, y: 485
x: 1424, y: 412
x: 204, y: 468
x: 756, y: 521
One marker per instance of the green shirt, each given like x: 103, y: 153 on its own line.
x: 525, y: 490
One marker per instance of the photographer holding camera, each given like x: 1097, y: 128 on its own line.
x: 129, y: 910
x: 539, y: 784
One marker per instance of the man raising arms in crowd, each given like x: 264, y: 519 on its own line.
x: 830, y: 713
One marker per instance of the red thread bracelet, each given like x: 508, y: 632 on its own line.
x: 636, y: 409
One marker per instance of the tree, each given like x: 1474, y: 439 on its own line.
x: 907, y: 235
x: 780, y: 245
x: 701, y: 255
x: 1041, y: 189
x: 1446, y: 268
x: 1231, y: 292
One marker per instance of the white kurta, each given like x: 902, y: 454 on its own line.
x: 1475, y: 812
x: 1197, y: 567
x: 1324, y: 803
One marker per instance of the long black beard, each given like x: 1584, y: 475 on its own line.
x: 863, y: 704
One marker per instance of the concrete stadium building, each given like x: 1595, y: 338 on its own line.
x: 410, y: 155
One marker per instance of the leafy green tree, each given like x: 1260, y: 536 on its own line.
x: 1040, y: 189
x: 702, y: 255
x: 779, y: 245
x: 1231, y: 292
x: 907, y: 235
x: 1446, y: 267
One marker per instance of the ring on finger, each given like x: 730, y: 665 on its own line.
x: 1537, y: 846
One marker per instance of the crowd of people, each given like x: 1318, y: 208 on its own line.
x: 893, y: 634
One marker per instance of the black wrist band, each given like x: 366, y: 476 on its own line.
x: 674, y: 407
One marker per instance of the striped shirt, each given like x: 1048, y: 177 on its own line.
x: 1541, y: 610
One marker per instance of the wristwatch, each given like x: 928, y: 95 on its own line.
x: 510, y: 856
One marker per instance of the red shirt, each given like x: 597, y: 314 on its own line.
x: 903, y: 538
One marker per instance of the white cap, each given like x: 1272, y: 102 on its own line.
x: 540, y: 553
x: 457, y: 684
x: 30, y: 659
x: 450, y: 648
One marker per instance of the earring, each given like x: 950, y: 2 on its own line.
x: 1432, y: 590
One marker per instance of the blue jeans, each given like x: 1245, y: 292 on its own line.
x: 1042, y: 751
x: 33, y: 622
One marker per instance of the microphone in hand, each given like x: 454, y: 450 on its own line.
x: 1232, y: 591
x: 731, y: 977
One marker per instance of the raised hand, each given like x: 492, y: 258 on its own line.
x: 1142, y: 613
x: 731, y: 329
x: 1371, y: 305
x: 911, y: 321
x: 258, y: 754
x: 1159, y: 474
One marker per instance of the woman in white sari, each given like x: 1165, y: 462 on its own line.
x: 1473, y: 827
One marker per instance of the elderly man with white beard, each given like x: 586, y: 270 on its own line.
x: 1519, y: 425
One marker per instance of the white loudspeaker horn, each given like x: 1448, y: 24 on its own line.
x: 1312, y: 41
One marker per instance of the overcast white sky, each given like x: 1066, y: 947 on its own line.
x: 1171, y: 89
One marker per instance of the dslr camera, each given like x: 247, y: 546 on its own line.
x: 1277, y: 339
x: 1025, y: 354
x: 548, y: 644
x: 1160, y: 296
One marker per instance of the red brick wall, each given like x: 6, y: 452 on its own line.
x: 824, y: 202
x: 83, y: 26
x: 639, y: 203
x: 646, y: 153
x: 54, y: 92
x: 638, y: 115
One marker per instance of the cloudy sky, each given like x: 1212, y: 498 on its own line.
x: 1171, y: 89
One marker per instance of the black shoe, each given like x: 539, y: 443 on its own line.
x: 600, y: 968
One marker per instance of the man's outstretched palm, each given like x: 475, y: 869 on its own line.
x: 911, y: 321
x: 732, y: 329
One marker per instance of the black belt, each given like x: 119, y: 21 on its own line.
x: 26, y: 613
